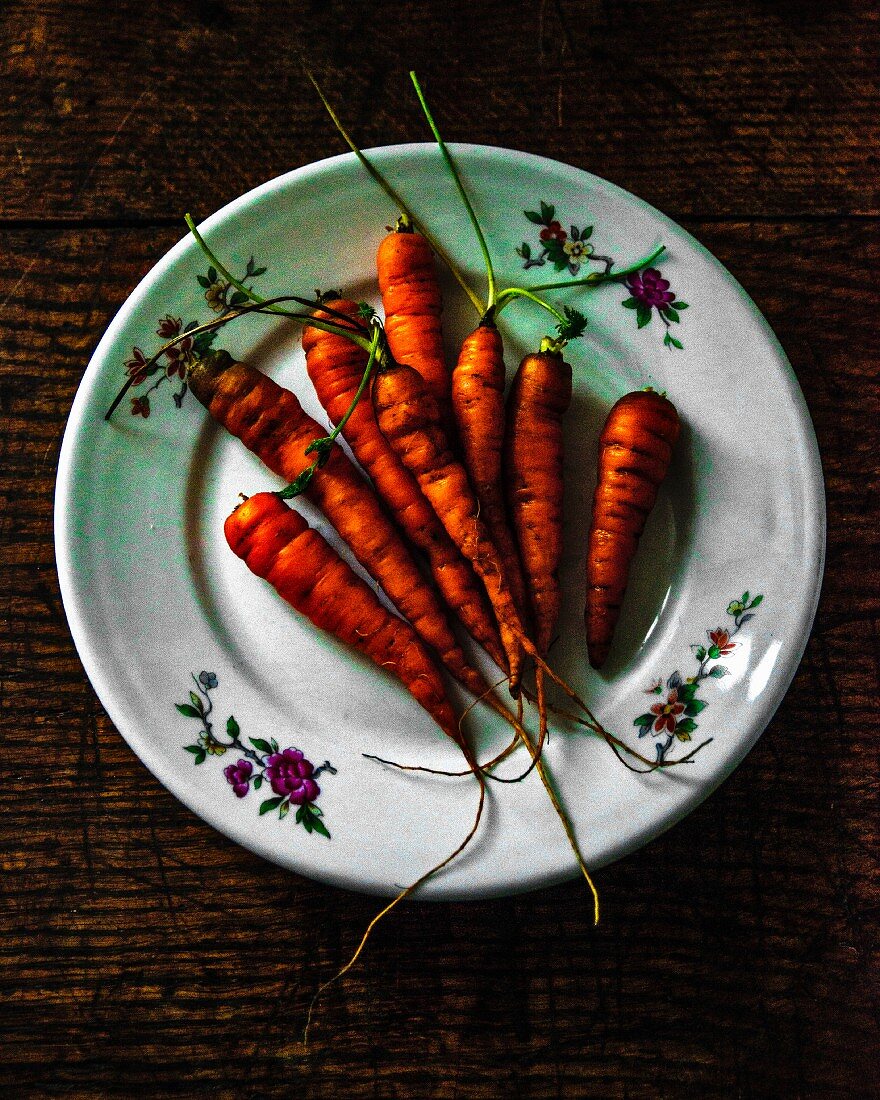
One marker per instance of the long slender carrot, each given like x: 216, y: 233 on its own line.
x: 478, y: 382
x: 277, y: 544
x: 635, y: 449
x: 539, y: 397
x: 336, y: 366
x: 271, y: 422
x: 413, y: 304
x: 411, y: 421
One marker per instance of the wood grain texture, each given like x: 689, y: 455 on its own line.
x: 144, y: 954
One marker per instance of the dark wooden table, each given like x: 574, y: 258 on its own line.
x: 142, y: 953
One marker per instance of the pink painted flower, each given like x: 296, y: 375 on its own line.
x: 650, y: 288
x: 239, y: 777
x: 136, y: 366
x: 140, y: 406
x: 178, y: 357
x: 291, y: 775
x: 553, y: 232
x: 721, y: 640
x: 169, y: 327
x: 668, y: 713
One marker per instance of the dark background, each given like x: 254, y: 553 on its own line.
x: 142, y: 953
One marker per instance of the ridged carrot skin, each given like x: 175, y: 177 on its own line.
x: 412, y: 423
x: 635, y: 449
x: 335, y: 366
x: 540, y: 395
x: 270, y: 421
x: 478, y: 382
x: 413, y: 304
x: 277, y: 544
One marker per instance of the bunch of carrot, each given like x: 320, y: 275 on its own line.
x: 468, y: 479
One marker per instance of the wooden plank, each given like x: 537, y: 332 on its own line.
x: 722, y: 108
x: 142, y: 951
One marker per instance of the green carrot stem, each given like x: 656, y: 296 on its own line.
x: 324, y: 444
x: 397, y: 199
x: 596, y: 278
x: 484, y: 248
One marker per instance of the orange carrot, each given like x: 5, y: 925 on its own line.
x: 635, y: 449
x: 271, y: 422
x: 478, y: 403
x: 539, y: 397
x: 277, y: 544
x: 336, y: 366
x: 411, y: 421
x: 412, y: 302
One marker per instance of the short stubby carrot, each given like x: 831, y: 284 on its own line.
x: 478, y: 382
x: 635, y: 449
x: 539, y: 398
x: 270, y: 421
x: 413, y: 304
x: 411, y: 421
x: 335, y: 366
x: 277, y: 544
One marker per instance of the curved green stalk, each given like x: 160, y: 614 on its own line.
x: 596, y: 278
x: 484, y: 248
x: 398, y: 200
x: 322, y: 446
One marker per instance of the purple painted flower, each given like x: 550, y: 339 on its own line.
x: 650, y: 289
x: 239, y: 777
x: 290, y: 775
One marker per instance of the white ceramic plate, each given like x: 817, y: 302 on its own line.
x: 160, y: 608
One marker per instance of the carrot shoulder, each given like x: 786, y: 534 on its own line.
x: 278, y: 545
x: 335, y: 366
x: 413, y: 305
x: 635, y: 449
x: 539, y: 398
x: 270, y: 421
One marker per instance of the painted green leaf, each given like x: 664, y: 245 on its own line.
x: 525, y: 251
x: 630, y: 303
x: 681, y: 305
x: 714, y: 652
x: 671, y: 314
x: 258, y: 782
x: 196, y: 702
x: 203, y: 281
x: 260, y: 744
x: 644, y: 720
x: 686, y: 725
x: 671, y: 340
x: 320, y: 827
x: 270, y: 804
x: 586, y: 233
x: 238, y: 298
x: 699, y: 652
x: 194, y: 749
x: 284, y: 811
x: 561, y: 263
x: 643, y: 314
x: 681, y: 734
x: 686, y: 692
x: 694, y: 707
x: 259, y: 271
x: 187, y: 711
x: 533, y: 216
x: 203, y: 342
x: 756, y: 601
x: 232, y: 727
x: 547, y: 212
x: 717, y: 671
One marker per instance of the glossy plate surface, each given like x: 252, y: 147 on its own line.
x: 179, y: 639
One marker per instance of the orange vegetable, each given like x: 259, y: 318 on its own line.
x: 270, y: 421
x: 478, y: 382
x: 335, y: 366
x: 412, y: 303
x: 635, y: 449
x: 412, y: 423
x: 277, y: 544
x: 539, y: 397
